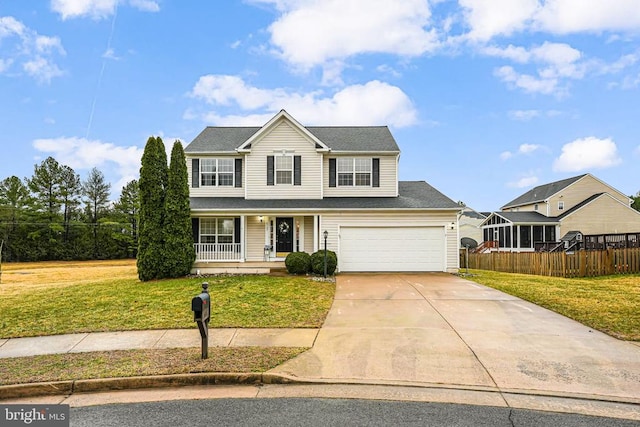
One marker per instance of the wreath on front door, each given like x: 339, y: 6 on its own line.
x: 284, y: 227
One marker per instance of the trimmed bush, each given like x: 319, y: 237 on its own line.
x: 298, y: 263
x: 317, y: 262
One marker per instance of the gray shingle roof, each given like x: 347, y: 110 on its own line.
x: 413, y: 195
x: 542, y: 192
x: 338, y: 138
x: 220, y: 139
x: 526, y: 217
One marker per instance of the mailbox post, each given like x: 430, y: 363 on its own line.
x: 201, y: 307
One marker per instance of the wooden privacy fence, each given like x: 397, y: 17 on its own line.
x: 559, y: 264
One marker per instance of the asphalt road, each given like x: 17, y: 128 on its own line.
x: 322, y: 412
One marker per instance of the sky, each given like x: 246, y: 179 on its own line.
x: 486, y: 98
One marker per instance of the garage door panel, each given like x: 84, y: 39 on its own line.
x: 391, y: 249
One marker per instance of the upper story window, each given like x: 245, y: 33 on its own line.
x: 284, y: 169
x: 535, y: 207
x: 354, y: 171
x: 216, y: 172
x: 560, y: 206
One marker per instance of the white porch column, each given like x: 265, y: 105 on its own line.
x: 300, y: 247
x: 243, y: 237
x: 316, y: 232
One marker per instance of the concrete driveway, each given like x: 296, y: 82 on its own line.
x: 444, y: 330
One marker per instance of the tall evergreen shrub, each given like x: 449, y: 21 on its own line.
x: 152, y: 187
x: 178, y: 237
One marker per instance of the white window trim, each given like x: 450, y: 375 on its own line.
x: 560, y: 205
x: 275, y: 169
x: 354, y: 172
x: 217, y: 172
x: 216, y: 233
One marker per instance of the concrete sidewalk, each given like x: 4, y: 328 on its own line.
x: 166, y: 338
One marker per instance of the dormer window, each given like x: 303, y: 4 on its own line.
x: 535, y: 207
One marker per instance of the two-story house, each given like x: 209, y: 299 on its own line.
x: 581, y: 205
x: 259, y: 193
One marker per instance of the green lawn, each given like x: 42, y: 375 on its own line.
x: 610, y: 304
x: 129, y: 363
x: 32, y: 309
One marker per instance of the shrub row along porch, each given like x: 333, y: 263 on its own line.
x: 559, y: 264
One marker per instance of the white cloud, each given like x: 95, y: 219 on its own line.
x: 527, y: 82
x: 81, y: 153
x: 572, y: 16
x: 98, y: 9
x: 110, y: 54
x: 524, y: 115
x: 145, y: 5
x: 526, y: 181
x: 552, y: 64
x: 309, y: 33
x: 42, y: 69
x: 506, y: 155
x: 488, y: 18
x: 528, y: 148
x: 34, y: 53
x: 373, y: 103
x: 587, y: 153
x: 10, y: 26
x: 5, y: 64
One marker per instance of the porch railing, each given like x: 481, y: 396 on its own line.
x: 206, y: 252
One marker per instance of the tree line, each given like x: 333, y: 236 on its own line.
x: 54, y: 215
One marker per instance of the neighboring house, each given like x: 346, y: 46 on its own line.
x: 469, y: 224
x: 566, y: 209
x: 259, y: 193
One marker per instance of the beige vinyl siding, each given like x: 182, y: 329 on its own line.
x: 255, y: 238
x: 388, y: 179
x: 283, y: 137
x: 602, y: 216
x: 308, y: 234
x: 542, y: 208
x: 212, y: 191
x: 333, y: 221
x: 580, y: 191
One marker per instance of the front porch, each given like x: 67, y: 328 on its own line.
x: 258, y: 239
x: 250, y: 267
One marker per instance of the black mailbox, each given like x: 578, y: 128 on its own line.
x: 201, y: 306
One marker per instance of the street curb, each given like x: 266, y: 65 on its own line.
x: 16, y: 391
x: 68, y: 388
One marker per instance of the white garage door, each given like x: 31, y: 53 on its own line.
x: 391, y: 249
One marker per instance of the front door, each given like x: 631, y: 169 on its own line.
x: 284, y: 235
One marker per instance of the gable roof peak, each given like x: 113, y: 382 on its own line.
x: 542, y: 192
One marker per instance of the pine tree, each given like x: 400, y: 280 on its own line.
x: 96, y: 192
x: 178, y: 237
x: 127, y: 210
x: 152, y: 187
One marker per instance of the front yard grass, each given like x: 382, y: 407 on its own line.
x: 129, y: 363
x: 59, y: 298
x: 610, y: 304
